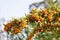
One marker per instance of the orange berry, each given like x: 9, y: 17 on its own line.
x: 16, y: 30
x: 44, y: 11
x: 58, y: 18
x: 36, y: 17
x: 55, y: 25
x: 50, y: 29
x: 22, y: 25
x: 39, y: 23
x: 41, y: 19
x: 44, y: 31
x: 49, y: 17
x: 36, y: 29
x: 5, y: 28
x: 54, y: 11
x: 30, y: 36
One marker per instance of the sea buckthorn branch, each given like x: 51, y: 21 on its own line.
x: 14, y: 26
x: 50, y: 23
x: 43, y: 21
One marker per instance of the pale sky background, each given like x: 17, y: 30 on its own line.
x: 14, y: 8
